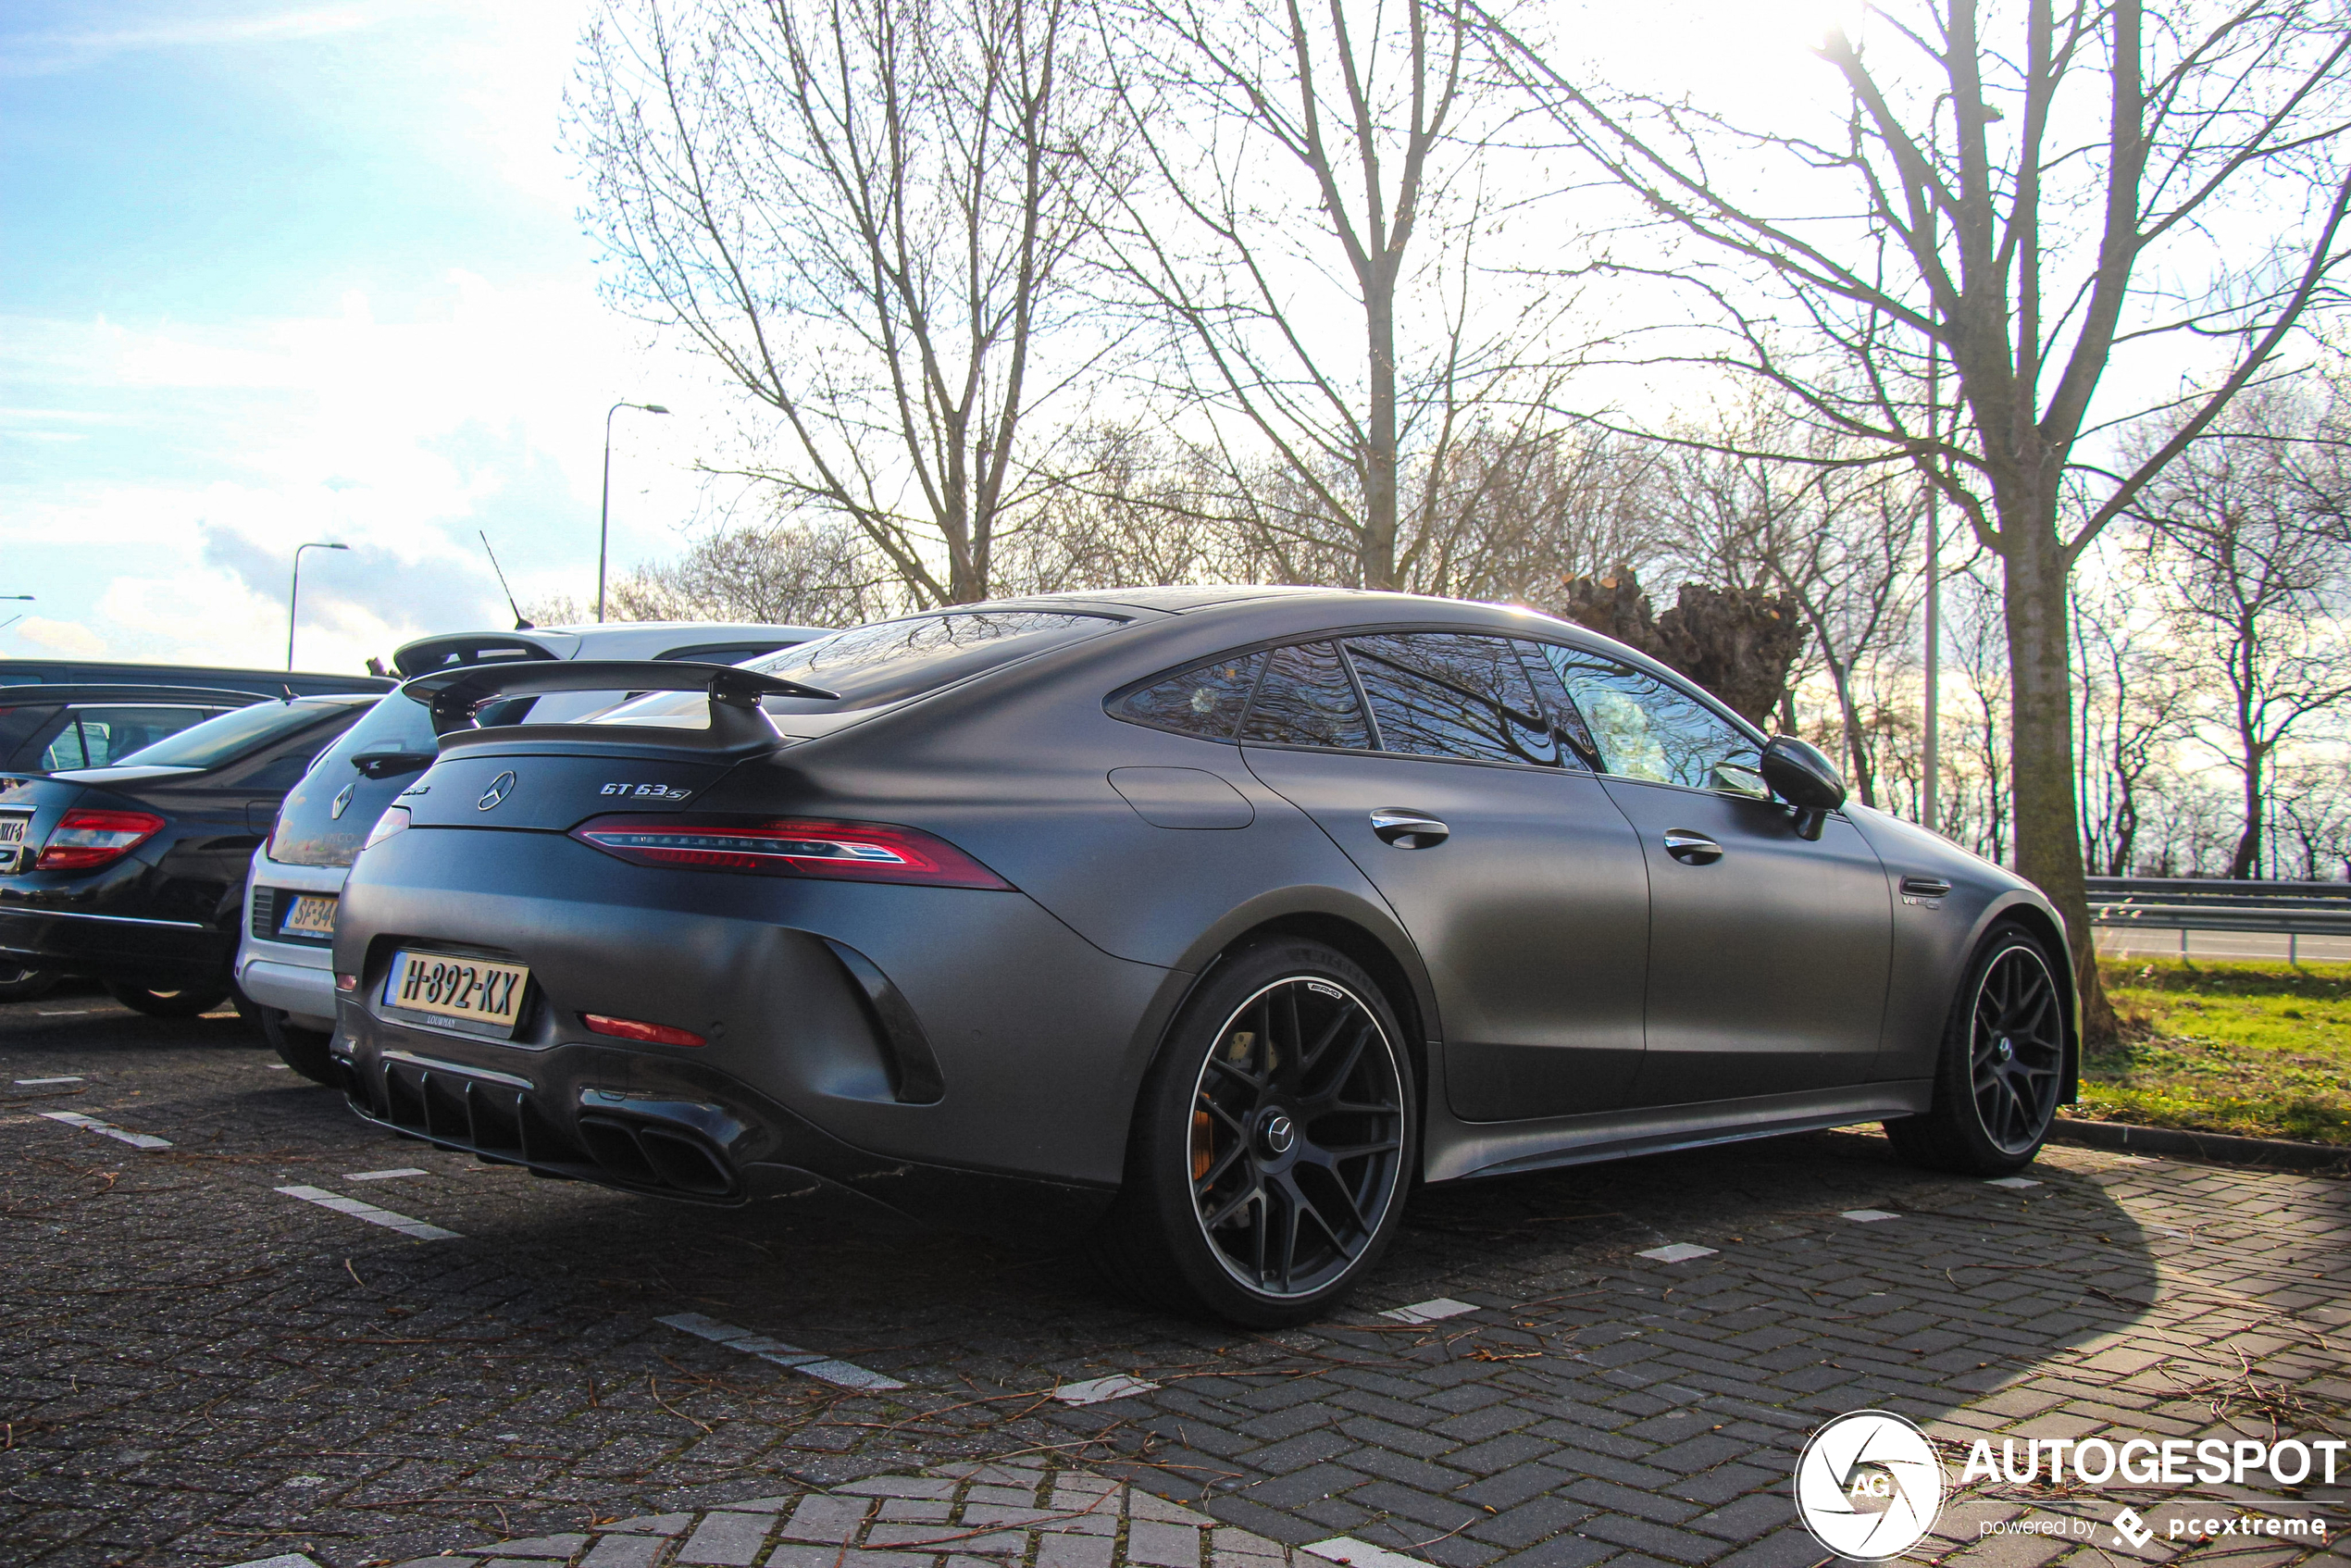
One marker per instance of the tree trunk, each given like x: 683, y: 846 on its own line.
x: 2049, y: 830
x: 1379, y: 461
x: 2246, y: 862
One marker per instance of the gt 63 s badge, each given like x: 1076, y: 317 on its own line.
x: 646, y: 791
x: 1869, y: 1486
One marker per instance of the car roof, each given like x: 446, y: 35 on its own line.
x: 611, y: 640
x: 44, y: 695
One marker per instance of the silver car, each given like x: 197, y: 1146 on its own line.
x: 283, y: 967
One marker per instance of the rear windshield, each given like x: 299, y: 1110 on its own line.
x: 888, y: 661
x: 400, y: 725
x: 216, y: 741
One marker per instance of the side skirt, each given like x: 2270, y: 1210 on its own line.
x: 1456, y: 1150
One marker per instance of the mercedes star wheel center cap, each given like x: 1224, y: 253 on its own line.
x: 1279, y: 1133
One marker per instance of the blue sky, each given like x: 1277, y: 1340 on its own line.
x: 280, y: 272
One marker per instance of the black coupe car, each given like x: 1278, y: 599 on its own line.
x: 134, y: 874
x: 1209, y: 918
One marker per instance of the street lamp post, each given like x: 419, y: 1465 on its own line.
x: 604, y: 524
x: 293, y: 595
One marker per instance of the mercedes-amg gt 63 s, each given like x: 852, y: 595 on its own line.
x: 1207, y: 919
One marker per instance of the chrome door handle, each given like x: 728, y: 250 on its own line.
x: 1409, y: 829
x: 1691, y: 848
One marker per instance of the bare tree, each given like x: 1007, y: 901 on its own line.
x: 2025, y: 190
x: 783, y: 574
x: 2258, y: 583
x: 1839, y: 536
x: 1309, y: 248
x: 2133, y: 709
x: 864, y: 211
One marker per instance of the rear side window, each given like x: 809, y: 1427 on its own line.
x: 231, y: 735
x: 1206, y: 699
x: 1450, y: 694
x: 1306, y: 699
x: 100, y: 737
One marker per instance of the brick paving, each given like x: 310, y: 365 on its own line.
x: 202, y: 1368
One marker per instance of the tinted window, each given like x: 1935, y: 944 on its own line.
x: 99, y: 736
x: 310, y: 831
x: 1646, y: 729
x: 1565, y: 718
x: 233, y: 734
x: 1205, y: 700
x: 1306, y: 699
x: 888, y: 661
x: 1446, y: 694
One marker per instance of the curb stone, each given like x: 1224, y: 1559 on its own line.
x: 2224, y: 1149
x: 969, y: 1514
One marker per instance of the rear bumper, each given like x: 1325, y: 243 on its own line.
x: 297, y: 978
x: 166, y: 955
x: 670, y: 1130
x: 959, y: 1055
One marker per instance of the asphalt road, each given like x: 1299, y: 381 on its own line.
x: 201, y: 1368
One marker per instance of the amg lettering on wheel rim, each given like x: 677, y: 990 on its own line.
x: 1297, y: 1137
x: 2016, y: 1048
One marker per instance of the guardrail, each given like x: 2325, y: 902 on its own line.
x: 2293, y: 910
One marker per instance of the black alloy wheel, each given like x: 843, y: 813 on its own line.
x: 1274, y: 1143
x: 167, y: 1004
x: 2002, y: 1066
x: 2015, y: 1050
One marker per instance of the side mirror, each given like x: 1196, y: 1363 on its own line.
x: 1799, y: 775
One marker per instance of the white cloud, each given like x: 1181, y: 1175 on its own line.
x: 69, y: 637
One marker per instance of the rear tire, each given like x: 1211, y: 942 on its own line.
x: 2003, y: 1062
x: 167, y: 1004
x: 1275, y: 1141
x: 303, y: 1050
x: 24, y: 985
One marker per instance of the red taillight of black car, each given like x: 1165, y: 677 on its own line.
x: 83, y: 840
x: 843, y: 852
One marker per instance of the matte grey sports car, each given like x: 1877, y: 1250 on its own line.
x: 1206, y: 918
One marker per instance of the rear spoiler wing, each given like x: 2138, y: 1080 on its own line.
x: 455, y: 695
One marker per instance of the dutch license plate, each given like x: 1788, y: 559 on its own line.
x: 12, y: 848
x: 313, y: 914
x: 12, y: 830
x: 472, y: 988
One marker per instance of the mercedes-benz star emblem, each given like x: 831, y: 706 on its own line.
x: 500, y: 787
x: 1280, y: 1133
x: 342, y: 801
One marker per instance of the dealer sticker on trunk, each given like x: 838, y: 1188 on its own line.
x: 472, y: 988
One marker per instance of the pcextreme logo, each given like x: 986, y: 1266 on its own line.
x: 1868, y: 1485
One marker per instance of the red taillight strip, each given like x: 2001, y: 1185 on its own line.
x: 846, y: 851
x: 86, y: 838
x: 637, y: 1028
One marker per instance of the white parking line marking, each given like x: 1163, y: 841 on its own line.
x: 1676, y: 1252
x: 107, y: 1129
x: 71, y: 1013
x: 2017, y: 1183
x: 369, y: 1212
x: 1869, y: 1216
x: 1095, y: 1390
x: 816, y: 1364
x: 383, y: 1175
x: 278, y: 1067
x: 31, y: 1083
x: 1429, y: 1312
x: 1361, y: 1554
x: 283, y: 1559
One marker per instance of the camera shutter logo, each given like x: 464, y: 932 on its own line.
x: 1869, y: 1486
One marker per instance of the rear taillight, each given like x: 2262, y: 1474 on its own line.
x: 86, y: 838
x: 846, y: 851
x: 394, y: 820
